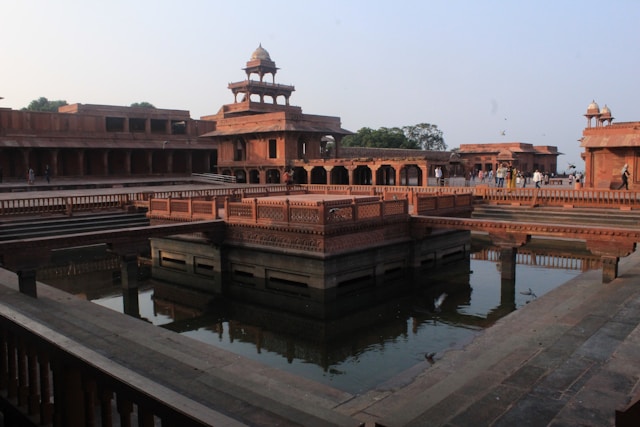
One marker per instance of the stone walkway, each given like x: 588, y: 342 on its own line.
x: 570, y: 358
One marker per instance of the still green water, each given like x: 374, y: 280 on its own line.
x: 365, y: 349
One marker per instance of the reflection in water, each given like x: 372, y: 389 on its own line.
x: 358, y: 348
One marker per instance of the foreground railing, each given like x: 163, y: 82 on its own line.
x: 47, y: 379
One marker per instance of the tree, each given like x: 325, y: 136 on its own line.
x: 381, y: 138
x: 43, y: 104
x: 142, y: 104
x: 425, y: 136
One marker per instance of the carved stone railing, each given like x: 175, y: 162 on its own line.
x: 563, y: 197
x: 47, y: 379
x: 312, y: 214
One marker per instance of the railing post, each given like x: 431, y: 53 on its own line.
x: 254, y: 209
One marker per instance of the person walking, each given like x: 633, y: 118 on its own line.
x: 625, y: 177
x: 537, y: 178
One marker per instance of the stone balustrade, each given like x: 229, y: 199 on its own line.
x: 47, y: 379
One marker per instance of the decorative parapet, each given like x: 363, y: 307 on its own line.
x: 314, y: 214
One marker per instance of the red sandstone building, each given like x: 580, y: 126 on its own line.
x: 608, y: 147
x: 525, y: 157
x: 255, y: 139
x: 100, y: 140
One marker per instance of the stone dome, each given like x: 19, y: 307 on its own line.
x: 593, y: 108
x: 605, y: 112
x: 260, y: 53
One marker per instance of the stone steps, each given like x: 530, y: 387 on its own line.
x: 32, y: 228
x: 573, y: 216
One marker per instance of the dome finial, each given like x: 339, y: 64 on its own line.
x: 260, y: 53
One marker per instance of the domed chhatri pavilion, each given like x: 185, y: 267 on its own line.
x: 608, y: 147
x: 261, y: 135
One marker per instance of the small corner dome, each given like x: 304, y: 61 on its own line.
x: 593, y: 108
x: 261, y: 53
x: 605, y: 111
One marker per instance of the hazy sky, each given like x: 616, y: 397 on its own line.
x: 474, y: 68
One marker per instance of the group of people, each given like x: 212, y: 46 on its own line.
x: 507, y: 175
x: 31, y: 175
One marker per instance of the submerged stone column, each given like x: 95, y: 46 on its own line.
x: 508, y: 264
x: 129, y: 271
x: 609, y: 268
x: 27, y: 282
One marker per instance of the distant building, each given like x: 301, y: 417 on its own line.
x: 100, y: 140
x: 525, y: 157
x: 608, y: 147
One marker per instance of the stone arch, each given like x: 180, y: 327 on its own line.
x: 273, y: 176
x: 362, y: 175
x: 386, y: 175
x: 339, y: 176
x: 411, y: 175
x: 254, y: 176
x: 241, y: 175
x: 299, y: 175
x: 318, y: 175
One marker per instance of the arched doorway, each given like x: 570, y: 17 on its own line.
x: 386, y: 175
x: 339, y: 176
x: 318, y: 175
x: 362, y: 175
x: 254, y: 176
x: 299, y: 175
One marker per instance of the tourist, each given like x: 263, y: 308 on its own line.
x: 490, y: 177
x: 537, y: 178
x: 510, y: 176
x: 286, y: 177
x: 47, y: 174
x: 439, y: 178
x: 500, y: 176
x: 625, y: 177
x: 31, y: 177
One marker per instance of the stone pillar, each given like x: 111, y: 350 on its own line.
x: 150, y: 161
x: 53, y: 167
x: 351, y: 170
x: 169, y: 161
x: 105, y: 162
x: 129, y: 271
x: 189, y: 163
x: 374, y: 176
x: 27, y: 282
x: 424, y: 179
x: 328, y: 170
x: 127, y: 161
x: 81, y: 170
x: 609, y: 268
x: 508, y: 263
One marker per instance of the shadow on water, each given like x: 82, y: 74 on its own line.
x: 370, y: 336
